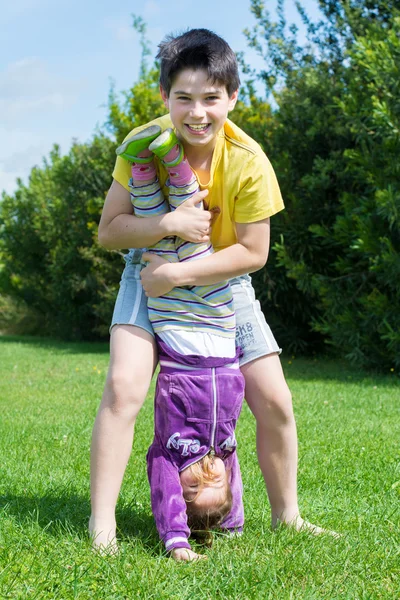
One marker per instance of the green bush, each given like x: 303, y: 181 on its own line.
x: 50, y: 258
x: 333, y: 143
x: 361, y: 302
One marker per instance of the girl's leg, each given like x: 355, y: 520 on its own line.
x: 125, y: 390
x: 170, y: 151
x: 146, y: 195
x: 182, y: 185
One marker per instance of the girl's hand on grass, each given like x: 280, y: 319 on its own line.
x: 184, y: 554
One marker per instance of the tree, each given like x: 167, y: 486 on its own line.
x: 49, y: 253
x: 337, y: 175
x: 305, y: 142
x: 367, y: 325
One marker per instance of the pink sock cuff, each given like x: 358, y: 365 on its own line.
x: 181, y: 174
x: 143, y: 172
x: 172, y: 154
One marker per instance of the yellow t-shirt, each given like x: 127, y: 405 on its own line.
x: 242, y: 181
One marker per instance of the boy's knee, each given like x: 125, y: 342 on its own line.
x: 281, y: 408
x: 275, y: 410
x: 123, y: 395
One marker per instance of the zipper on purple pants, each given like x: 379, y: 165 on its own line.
x: 214, y: 425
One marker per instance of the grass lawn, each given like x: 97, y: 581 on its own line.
x: 349, y: 480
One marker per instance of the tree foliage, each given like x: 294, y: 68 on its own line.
x: 367, y: 228
x: 333, y: 146
x: 49, y: 253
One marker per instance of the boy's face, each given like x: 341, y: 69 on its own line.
x: 198, y: 108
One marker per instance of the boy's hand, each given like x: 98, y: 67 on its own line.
x: 187, y: 555
x: 190, y: 223
x: 157, y: 276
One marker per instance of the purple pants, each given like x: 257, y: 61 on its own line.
x: 197, y: 403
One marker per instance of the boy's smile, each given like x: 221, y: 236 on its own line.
x: 198, y: 108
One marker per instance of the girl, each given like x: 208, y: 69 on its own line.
x: 193, y: 470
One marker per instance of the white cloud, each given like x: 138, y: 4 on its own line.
x: 28, y: 87
x: 14, y: 142
x: 39, y: 106
x: 21, y: 150
x: 121, y: 29
x: 13, y: 111
x: 28, y: 156
x: 124, y: 33
x: 34, y: 104
x: 155, y: 35
x: 151, y: 9
x: 18, y: 8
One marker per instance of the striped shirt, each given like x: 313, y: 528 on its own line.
x: 208, y: 308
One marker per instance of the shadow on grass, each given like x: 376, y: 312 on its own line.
x: 67, y: 514
x: 59, y: 345
x: 304, y: 369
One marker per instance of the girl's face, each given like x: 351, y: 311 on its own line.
x: 198, y: 108
x: 209, y: 493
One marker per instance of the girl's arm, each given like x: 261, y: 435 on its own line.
x: 167, y: 502
x: 249, y: 254
x: 234, y: 521
x: 119, y: 228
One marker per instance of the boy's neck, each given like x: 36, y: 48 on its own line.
x: 200, y: 159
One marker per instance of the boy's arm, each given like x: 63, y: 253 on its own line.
x: 249, y: 254
x: 167, y: 502
x: 119, y: 228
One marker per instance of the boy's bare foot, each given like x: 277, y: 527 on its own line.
x: 184, y: 554
x: 300, y: 524
x: 104, y: 539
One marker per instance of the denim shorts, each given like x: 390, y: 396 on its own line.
x: 253, y: 333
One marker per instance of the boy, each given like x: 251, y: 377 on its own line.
x: 199, y: 84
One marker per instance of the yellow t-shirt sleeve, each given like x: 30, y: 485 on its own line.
x: 122, y: 172
x: 259, y: 196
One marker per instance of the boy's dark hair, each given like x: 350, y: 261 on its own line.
x: 198, y: 49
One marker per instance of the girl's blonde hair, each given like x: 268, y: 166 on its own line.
x: 203, y: 470
x: 201, y: 520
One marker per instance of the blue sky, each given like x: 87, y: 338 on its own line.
x: 57, y: 60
